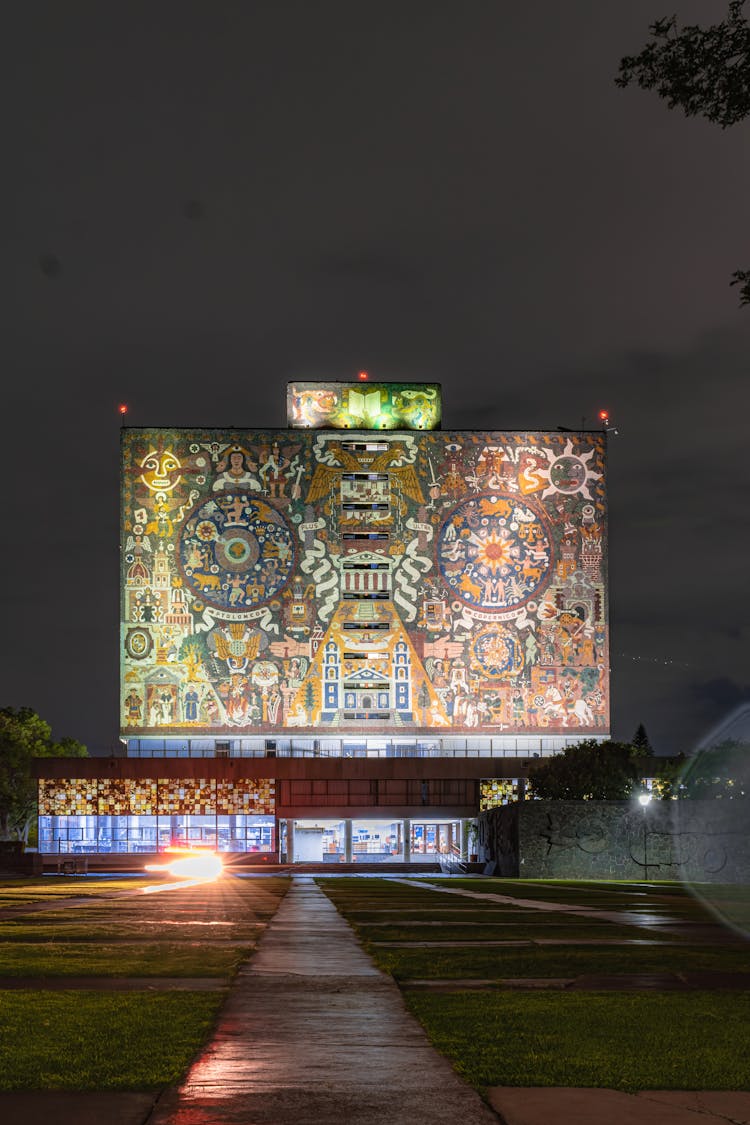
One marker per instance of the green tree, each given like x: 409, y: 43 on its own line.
x: 703, y: 71
x: 721, y: 772
x: 640, y: 741
x: 668, y: 775
x: 598, y: 771
x: 24, y: 736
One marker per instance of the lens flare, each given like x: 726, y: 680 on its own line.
x: 710, y: 823
x: 191, y: 866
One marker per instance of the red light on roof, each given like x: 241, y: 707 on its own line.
x: 363, y: 376
x: 122, y: 408
x: 604, y: 415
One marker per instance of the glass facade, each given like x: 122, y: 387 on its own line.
x: 368, y: 841
x: 431, y: 840
x: 497, y: 746
x: 377, y: 841
x: 128, y: 834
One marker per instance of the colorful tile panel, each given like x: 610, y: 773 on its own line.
x: 68, y: 797
x: 497, y: 791
x: 185, y: 795
x: 245, y: 796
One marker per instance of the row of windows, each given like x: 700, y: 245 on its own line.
x: 497, y: 746
x: 128, y: 834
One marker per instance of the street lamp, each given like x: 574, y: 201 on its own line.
x: 644, y: 800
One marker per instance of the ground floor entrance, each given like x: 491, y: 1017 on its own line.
x: 370, y: 841
x: 312, y: 840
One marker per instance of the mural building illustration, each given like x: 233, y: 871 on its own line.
x: 345, y: 578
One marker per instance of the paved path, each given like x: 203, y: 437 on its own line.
x: 311, y: 1033
x: 560, y: 1106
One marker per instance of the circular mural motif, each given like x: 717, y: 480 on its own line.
x: 236, y: 551
x: 567, y: 474
x: 496, y: 652
x: 494, y: 552
x: 138, y: 644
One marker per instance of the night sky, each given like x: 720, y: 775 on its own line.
x: 210, y: 199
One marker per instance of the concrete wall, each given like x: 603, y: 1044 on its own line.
x: 702, y: 841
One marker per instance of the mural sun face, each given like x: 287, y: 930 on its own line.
x: 569, y: 473
x: 160, y: 470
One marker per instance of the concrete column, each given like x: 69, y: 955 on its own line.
x: 464, y: 840
x: 407, y: 841
x: 290, y: 841
x: 348, y: 841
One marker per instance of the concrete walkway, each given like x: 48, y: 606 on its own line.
x: 551, y: 1105
x: 314, y: 1034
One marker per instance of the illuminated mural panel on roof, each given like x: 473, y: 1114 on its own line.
x: 364, y: 406
x: 310, y: 580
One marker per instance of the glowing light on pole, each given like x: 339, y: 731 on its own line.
x: 644, y: 800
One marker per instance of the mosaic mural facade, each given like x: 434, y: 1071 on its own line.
x: 326, y: 581
x: 155, y: 797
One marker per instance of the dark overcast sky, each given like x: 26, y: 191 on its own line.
x: 210, y: 199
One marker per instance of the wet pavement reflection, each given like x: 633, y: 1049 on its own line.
x: 313, y: 1032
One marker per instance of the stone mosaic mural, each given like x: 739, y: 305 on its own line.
x: 328, y: 580
x: 155, y: 796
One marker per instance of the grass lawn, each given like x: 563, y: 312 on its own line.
x: 64, y: 930
x: 556, y: 961
x: 529, y: 931
x: 93, y: 1041
x: 99, y: 1039
x: 602, y: 896
x: 43, y: 889
x: 460, y: 917
x: 148, y: 959
x: 731, y: 902
x: 627, y: 1041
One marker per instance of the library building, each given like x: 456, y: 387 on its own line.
x: 342, y: 639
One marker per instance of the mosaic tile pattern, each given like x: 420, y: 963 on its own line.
x: 359, y: 581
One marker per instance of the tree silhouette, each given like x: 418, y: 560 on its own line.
x: 591, y: 770
x: 640, y: 740
x: 703, y: 71
x: 24, y: 737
